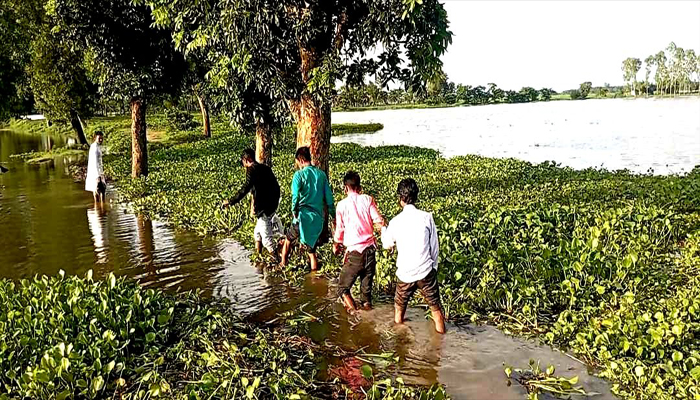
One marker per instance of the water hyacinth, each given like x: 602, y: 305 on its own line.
x: 602, y: 263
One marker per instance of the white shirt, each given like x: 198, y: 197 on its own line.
x: 94, y: 169
x: 415, y: 235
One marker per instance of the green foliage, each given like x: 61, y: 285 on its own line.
x: 345, y: 129
x: 537, y: 382
x: 604, y: 263
x: 69, y: 337
x: 585, y: 89
x: 128, y: 57
x: 179, y: 120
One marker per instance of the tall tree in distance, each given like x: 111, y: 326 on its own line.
x: 129, y: 57
x: 648, y: 65
x: 630, y: 67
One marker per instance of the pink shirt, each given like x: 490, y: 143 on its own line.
x: 355, y: 217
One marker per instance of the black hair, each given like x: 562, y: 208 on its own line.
x: 98, y: 133
x: 248, y: 155
x: 352, y: 180
x: 408, y: 191
x: 303, y: 154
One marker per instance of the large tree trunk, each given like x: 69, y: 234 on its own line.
x: 139, y: 150
x: 205, y: 114
x: 263, y: 143
x: 77, y: 127
x: 313, y: 118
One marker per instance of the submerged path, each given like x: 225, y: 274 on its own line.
x: 50, y: 223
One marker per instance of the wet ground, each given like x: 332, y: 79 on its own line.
x: 48, y: 222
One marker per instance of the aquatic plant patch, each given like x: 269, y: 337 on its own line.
x: 602, y: 263
x: 66, y: 337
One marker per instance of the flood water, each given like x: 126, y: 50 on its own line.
x: 48, y: 222
x: 636, y: 134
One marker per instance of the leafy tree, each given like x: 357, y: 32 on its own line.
x: 496, y: 94
x: 545, y: 94
x: 298, y: 50
x: 648, y: 65
x: 630, y: 67
x: 529, y: 94
x: 15, y: 96
x: 585, y: 89
x: 130, y: 58
x: 60, y: 83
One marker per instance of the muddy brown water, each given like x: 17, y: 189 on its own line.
x: 48, y: 222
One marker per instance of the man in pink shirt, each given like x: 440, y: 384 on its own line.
x: 355, y: 219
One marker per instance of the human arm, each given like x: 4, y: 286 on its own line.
x: 434, y: 243
x: 377, y: 218
x: 247, y: 186
x: 296, y: 187
x: 98, y: 162
x: 328, y: 196
x: 388, y: 239
x: 339, y: 234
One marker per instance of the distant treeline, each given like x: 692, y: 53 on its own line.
x: 441, y: 93
x: 676, y: 71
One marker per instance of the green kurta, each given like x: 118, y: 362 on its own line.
x: 310, y: 192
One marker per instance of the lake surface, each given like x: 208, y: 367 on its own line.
x: 662, y: 135
x: 48, y: 223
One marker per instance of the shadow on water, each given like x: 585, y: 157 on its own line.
x: 50, y: 223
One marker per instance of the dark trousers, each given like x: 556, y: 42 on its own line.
x: 359, y: 265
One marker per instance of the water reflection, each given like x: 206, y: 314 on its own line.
x: 97, y: 219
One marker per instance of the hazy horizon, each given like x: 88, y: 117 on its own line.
x: 559, y: 44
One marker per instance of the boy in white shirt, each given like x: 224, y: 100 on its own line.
x: 414, y: 233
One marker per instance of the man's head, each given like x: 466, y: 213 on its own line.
x: 408, y: 192
x: 99, y: 137
x: 302, y: 157
x: 248, y: 158
x: 351, y: 180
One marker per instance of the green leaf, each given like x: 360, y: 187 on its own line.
x: 639, y: 371
x: 150, y: 336
x: 97, y: 384
x: 366, y: 371
x: 677, y: 356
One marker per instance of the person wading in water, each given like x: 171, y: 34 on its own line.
x: 261, y: 181
x: 414, y: 233
x: 311, y: 195
x: 355, y: 219
x: 95, y: 179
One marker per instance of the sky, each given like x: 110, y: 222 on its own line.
x: 559, y: 44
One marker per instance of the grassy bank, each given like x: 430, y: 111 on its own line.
x: 603, y: 263
x: 346, y: 129
x: 68, y: 337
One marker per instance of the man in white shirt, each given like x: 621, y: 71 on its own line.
x: 414, y: 233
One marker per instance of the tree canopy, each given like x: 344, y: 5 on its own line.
x: 293, y: 52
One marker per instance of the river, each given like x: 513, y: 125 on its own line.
x: 48, y: 222
x: 661, y: 135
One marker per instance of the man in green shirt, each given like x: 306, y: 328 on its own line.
x: 311, y: 199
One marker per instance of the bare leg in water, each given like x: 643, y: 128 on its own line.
x: 438, y: 317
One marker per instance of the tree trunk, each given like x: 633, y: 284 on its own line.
x: 139, y: 150
x: 205, y: 115
x: 313, y: 118
x: 263, y: 143
x: 77, y: 127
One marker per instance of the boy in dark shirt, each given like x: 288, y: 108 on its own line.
x: 261, y: 181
